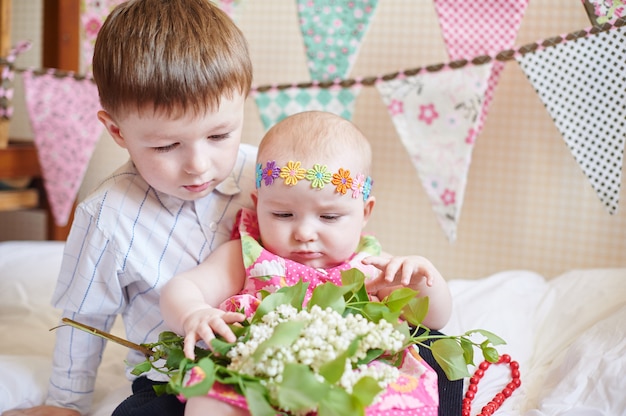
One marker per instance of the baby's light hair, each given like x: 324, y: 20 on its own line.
x: 315, y: 136
x: 169, y: 56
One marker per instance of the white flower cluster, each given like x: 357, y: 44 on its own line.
x: 326, y: 334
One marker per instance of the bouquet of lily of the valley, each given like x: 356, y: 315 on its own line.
x: 295, y: 359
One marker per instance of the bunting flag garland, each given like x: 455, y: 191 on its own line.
x: 277, y: 103
x: 92, y: 16
x: 332, y: 32
x: 62, y: 113
x: 6, y: 79
x: 229, y: 6
x: 474, y: 28
x: 436, y: 116
x: 94, y: 12
x: 603, y: 11
x: 582, y: 84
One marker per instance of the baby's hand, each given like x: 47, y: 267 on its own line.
x: 204, y: 323
x: 410, y: 271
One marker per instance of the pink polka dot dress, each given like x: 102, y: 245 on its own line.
x: 415, y: 390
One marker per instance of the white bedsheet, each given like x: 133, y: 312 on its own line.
x: 568, y: 334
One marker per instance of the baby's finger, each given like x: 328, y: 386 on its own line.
x: 377, y: 261
x: 392, y: 269
x: 407, y: 274
x: 429, y: 280
x: 189, y: 344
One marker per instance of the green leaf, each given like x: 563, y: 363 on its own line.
x: 468, y: 351
x: 371, y: 355
x: 449, y: 354
x: 490, y: 354
x: 352, y: 276
x: 339, y: 403
x: 355, y: 279
x: 285, y: 333
x: 399, y: 298
x: 415, y: 311
x: 141, y: 368
x: 300, y: 389
x: 365, y: 390
x: 329, y: 295
x: 174, y: 357
x: 220, y: 346
x: 205, y: 371
x: 258, y: 402
x: 168, y: 337
x: 375, y: 311
x: 288, y: 295
x: 493, y: 338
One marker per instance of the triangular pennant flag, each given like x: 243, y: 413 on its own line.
x: 474, y: 28
x: 229, y: 6
x: 582, y: 83
x: 436, y: 115
x: 62, y: 112
x: 332, y: 33
x: 276, y: 104
x: 603, y: 11
x: 6, y: 79
x: 92, y: 16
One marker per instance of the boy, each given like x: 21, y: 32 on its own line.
x: 172, y: 78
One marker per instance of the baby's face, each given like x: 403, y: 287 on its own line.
x: 316, y: 227
x: 187, y: 156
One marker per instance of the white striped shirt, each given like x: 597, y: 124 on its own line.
x: 127, y: 240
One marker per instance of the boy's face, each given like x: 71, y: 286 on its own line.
x: 318, y: 228
x: 186, y: 157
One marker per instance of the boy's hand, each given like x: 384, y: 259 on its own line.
x: 203, y: 324
x: 42, y: 411
x: 410, y: 271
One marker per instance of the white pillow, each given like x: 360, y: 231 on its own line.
x: 23, y: 381
x: 588, y: 378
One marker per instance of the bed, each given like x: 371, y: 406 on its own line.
x: 567, y: 333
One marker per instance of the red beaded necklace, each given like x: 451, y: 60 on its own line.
x: 499, y: 398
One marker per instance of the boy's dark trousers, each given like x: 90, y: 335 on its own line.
x: 145, y: 402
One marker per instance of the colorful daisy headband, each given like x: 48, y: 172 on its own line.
x: 318, y: 175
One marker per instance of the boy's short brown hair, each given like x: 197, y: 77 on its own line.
x: 169, y: 56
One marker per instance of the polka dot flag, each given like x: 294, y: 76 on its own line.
x: 582, y: 84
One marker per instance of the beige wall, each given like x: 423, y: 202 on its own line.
x: 527, y: 203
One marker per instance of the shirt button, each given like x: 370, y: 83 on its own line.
x: 213, y: 226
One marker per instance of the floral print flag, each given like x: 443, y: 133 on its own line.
x: 581, y: 83
x: 62, y: 112
x: 332, y: 31
x: 604, y: 11
x: 436, y: 116
x: 94, y: 12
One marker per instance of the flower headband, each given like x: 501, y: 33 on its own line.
x: 318, y: 175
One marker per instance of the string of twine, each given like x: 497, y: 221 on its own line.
x: 502, y: 56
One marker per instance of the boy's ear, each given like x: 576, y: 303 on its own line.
x: 255, y: 198
x: 112, y: 127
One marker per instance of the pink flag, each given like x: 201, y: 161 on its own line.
x: 62, y: 112
x: 480, y: 27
